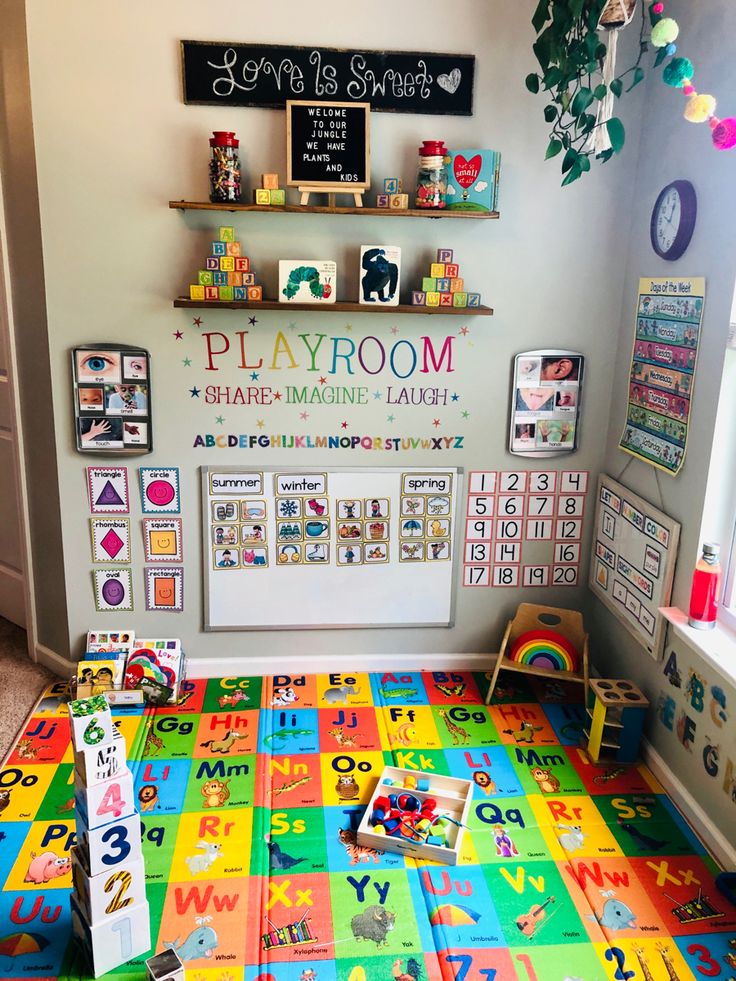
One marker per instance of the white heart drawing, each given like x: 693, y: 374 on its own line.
x: 451, y: 82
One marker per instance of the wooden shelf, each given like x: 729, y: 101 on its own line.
x: 338, y: 307
x: 310, y: 209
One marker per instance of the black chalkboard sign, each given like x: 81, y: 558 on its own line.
x: 269, y: 75
x: 328, y: 145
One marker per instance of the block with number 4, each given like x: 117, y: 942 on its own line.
x: 110, y: 846
x: 116, y: 940
x: 105, y: 895
x: 105, y: 802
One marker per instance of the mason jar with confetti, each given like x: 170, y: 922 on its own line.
x: 224, y: 168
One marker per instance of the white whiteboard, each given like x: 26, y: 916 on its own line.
x: 632, y: 563
x: 292, y: 567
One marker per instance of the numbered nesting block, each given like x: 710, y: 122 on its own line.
x: 111, y: 846
x: 255, y: 293
x: 91, y: 722
x: 227, y: 263
x: 418, y: 298
x: 196, y: 292
x: 116, y: 940
x: 204, y: 277
x: 383, y: 200
x: 212, y: 262
x: 392, y: 185
x: 249, y: 279
x: 227, y: 233
x: 240, y: 293
x: 429, y: 284
x: 233, y: 248
x: 437, y: 269
x: 459, y: 299
x: 452, y: 270
x: 270, y: 181
x: 219, y: 278
x: 399, y: 202
x: 104, y: 802
x: 473, y: 299
x: 219, y: 248
x: 95, y: 764
x: 444, y: 255
x: 242, y: 263
x: 212, y: 292
x: 445, y: 299
x: 457, y: 285
x: 278, y: 196
x: 165, y: 966
x: 262, y: 195
x: 433, y: 298
x: 103, y: 896
x: 443, y: 285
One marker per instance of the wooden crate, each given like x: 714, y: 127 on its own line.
x: 453, y: 797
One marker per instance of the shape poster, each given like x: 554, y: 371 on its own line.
x: 669, y: 314
x: 632, y: 561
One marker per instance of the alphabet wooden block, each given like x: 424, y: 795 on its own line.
x: 233, y: 248
x: 219, y: 248
x: 255, y: 293
x: 437, y: 269
x: 240, y: 293
x: 104, y: 849
x: 445, y: 299
x: 227, y: 233
x: 106, y: 801
x: 262, y: 195
x: 392, y: 185
x: 473, y: 299
x: 383, y: 200
x: 452, y: 270
x: 227, y: 263
x: 204, y: 277
x: 249, y: 279
x: 270, y: 181
x: 234, y: 279
x: 114, y: 941
x: 429, y: 284
x: 418, y: 298
x: 226, y: 292
x: 242, y: 264
x: 443, y: 285
x: 95, y: 764
x: 196, y: 292
x: 278, y: 196
x: 399, y: 202
x: 444, y: 255
x: 91, y: 722
x: 457, y: 285
x: 433, y: 299
x: 103, y: 896
x: 219, y: 278
x: 459, y: 299
x: 212, y: 293
x: 212, y: 262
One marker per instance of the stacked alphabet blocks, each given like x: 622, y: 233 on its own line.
x: 110, y: 916
x: 227, y: 274
x: 269, y: 192
x: 392, y: 198
x: 444, y: 287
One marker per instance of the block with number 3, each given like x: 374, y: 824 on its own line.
x: 109, y: 847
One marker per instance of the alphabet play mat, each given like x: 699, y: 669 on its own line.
x: 251, y: 791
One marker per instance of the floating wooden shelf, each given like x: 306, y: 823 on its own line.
x: 309, y: 209
x: 339, y: 307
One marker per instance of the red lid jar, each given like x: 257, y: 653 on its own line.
x: 431, y: 175
x: 224, y: 167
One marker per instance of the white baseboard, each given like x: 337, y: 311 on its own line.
x: 55, y: 662
x: 224, y: 667
x: 711, y: 836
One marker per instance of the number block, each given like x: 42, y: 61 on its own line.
x: 226, y: 233
x: 204, y: 277
x: 383, y: 200
x: 459, y: 299
x: 219, y: 248
x: 444, y: 255
x: 212, y: 262
x: 433, y: 299
x: 104, y: 849
x: 212, y: 292
x: 445, y: 299
x: 242, y: 263
x: 91, y: 722
x: 278, y: 196
x: 398, y: 202
x: 95, y: 764
x: 270, y: 181
x: 114, y: 941
x: 429, y: 284
x: 255, y: 293
x: 437, y: 269
x: 103, y: 896
x: 233, y: 249
x: 473, y: 299
x: 106, y: 801
x: 418, y: 298
x: 392, y: 185
x: 262, y: 195
x: 227, y: 263
x: 196, y: 292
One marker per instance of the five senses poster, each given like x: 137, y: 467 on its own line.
x: 545, y: 404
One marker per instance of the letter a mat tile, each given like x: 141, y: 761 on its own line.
x: 251, y: 791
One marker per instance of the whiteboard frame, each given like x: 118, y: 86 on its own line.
x: 458, y: 543
x: 653, y: 645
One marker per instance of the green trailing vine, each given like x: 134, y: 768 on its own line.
x: 571, y: 53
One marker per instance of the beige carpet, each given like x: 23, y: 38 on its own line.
x: 21, y: 682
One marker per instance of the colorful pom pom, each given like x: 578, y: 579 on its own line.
x: 679, y: 71
x: 689, y: 90
x: 670, y: 49
x: 724, y: 134
x: 657, y: 8
x: 699, y: 108
x: 664, y: 32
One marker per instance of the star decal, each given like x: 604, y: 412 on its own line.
x: 277, y: 396
x: 219, y: 420
x: 344, y: 425
x: 390, y: 418
x: 455, y: 397
x: 323, y: 381
x: 376, y: 395
x: 197, y: 322
x: 304, y: 415
x: 194, y: 392
x: 178, y: 335
x: 291, y: 325
x: 187, y: 362
x: 465, y: 413
x: 254, y: 376
x: 348, y: 326
x: 464, y: 331
x: 252, y: 321
x: 260, y: 423
x: 394, y: 330
x: 435, y: 422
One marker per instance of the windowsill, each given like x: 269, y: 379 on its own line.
x: 717, y: 646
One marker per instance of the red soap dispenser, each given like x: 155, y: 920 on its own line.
x: 706, y: 588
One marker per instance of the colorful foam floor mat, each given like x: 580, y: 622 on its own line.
x: 251, y: 790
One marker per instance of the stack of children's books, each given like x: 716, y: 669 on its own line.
x: 130, y: 670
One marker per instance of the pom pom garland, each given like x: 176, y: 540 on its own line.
x: 679, y: 73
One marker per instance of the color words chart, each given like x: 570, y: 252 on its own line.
x: 263, y: 528
x: 524, y: 528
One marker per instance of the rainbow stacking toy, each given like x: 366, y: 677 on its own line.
x: 545, y: 649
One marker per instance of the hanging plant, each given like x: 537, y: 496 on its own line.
x: 576, y: 50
